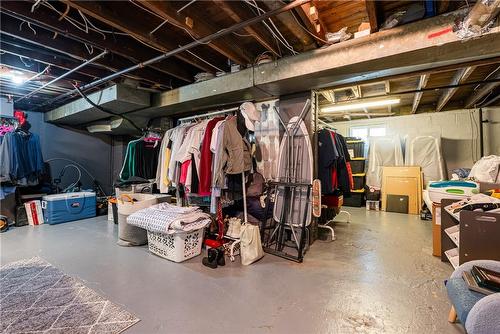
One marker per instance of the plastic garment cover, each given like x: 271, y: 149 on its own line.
x: 487, y: 169
x: 383, y: 151
x: 425, y: 151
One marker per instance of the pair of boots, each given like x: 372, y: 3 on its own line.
x: 215, y: 258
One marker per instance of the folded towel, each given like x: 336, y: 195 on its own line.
x: 169, y: 218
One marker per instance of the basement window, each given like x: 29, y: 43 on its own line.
x: 368, y: 131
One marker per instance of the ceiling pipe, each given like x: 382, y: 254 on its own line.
x: 183, y: 48
x: 102, y: 54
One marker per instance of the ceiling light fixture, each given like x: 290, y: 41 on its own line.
x: 360, y: 105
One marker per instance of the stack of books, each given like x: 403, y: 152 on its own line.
x: 482, y: 280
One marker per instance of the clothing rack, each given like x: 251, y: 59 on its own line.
x: 210, y: 114
x: 326, y: 125
x: 326, y: 225
x: 216, y: 113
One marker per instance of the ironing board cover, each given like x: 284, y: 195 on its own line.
x: 301, y: 171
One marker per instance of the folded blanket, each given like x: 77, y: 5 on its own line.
x: 169, y: 218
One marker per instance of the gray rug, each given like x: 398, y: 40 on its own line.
x: 36, y: 297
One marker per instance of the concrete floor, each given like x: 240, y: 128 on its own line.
x: 378, y: 277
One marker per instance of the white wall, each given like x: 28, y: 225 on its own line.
x: 459, y: 132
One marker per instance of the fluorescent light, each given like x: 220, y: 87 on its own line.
x: 17, y: 79
x: 360, y: 105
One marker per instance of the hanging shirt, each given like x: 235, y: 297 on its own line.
x: 162, y: 180
x: 205, y: 169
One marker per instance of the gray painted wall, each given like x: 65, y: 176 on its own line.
x: 94, y: 152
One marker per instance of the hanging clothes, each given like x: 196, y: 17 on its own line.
x: 333, y: 164
x: 21, y: 160
x: 141, y: 160
x: 205, y: 169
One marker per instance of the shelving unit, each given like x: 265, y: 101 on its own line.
x: 475, y: 236
x: 356, y: 148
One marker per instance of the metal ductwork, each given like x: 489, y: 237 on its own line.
x: 118, y: 98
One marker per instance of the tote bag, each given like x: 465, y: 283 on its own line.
x: 128, y: 204
x: 251, y: 246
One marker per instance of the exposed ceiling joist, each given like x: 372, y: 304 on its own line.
x: 482, y: 92
x: 329, y: 95
x: 125, y: 20
x: 461, y: 76
x: 418, y: 96
x: 238, y: 14
x: 76, y: 50
x: 226, y: 46
x: 125, y: 47
x: 289, y: 21
x: 387, y: 86
x: 17, y: 50
x: 372, y: 12
x: 35, y: 67
x: 309, y: 15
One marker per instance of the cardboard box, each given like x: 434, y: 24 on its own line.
x: 436, y: 229
x: 34, y: 212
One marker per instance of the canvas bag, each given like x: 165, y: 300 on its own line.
x: 130, y: 235
x: 251, y: 246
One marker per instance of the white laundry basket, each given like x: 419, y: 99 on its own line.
x: 176, y: 247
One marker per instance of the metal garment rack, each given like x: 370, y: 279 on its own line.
x: 207, y: 115
x: 274, y: 236
x: 326, y: 225
x: 216, y: 113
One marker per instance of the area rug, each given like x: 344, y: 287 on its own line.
x: 36, y: 297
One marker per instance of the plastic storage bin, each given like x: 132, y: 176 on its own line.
x: 357, y: 165
x: 62, y: 208
x: 359, y: 181
x: 357, y: 199
x: 176, y: 247
x: 355, y: 147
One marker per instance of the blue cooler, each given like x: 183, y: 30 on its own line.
x: 61, y: 208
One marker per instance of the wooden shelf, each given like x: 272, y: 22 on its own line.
x: 453, y: 256
x: 454, y: 233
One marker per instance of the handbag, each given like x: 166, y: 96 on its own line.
x: 251, y: 246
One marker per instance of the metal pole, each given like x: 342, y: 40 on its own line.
x: 186, y: 47
x: 63, y: 75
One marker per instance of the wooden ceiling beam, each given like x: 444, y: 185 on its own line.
x: 119, y: 20
x: 290, y: 22
x: 122, y: 46
x: 226, y: 46
x: 460, y: 76
x: 372, y: 12
x: 238, y: 14
x: 18, y: 50
x: 482, y: 92
x: 309, y: 15
x: 71, y: 48
x: 424, y: 78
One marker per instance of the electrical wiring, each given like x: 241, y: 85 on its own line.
x: 203, y: 60
x: 25, y: 64
x: 172, y: 23
x: 282, y: 40
x: 488, y: 76
x: 307, y: 30
x: 72, y: 21
x: 90, y: 49
x: 242, y: 35
x: 105, y: 110
x: 87, y: 20
x: 29, y: 25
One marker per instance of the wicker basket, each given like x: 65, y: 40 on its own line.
x: 176, y: 247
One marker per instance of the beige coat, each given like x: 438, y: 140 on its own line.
x: 236, y: 157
